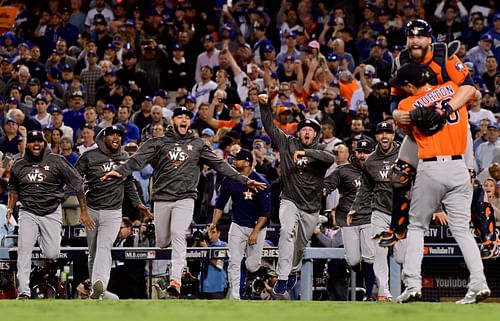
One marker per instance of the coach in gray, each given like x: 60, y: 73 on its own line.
x: 104, y: 199
x: 177, y: 158
x: 304, y: 163
x: 37, y: 180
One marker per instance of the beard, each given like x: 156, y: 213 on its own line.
x: 419, y: 59
x: 34, y: 158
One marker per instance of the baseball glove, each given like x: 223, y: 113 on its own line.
x: 428, y: 120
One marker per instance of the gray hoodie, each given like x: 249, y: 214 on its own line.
x: 177, y: 161
x: 105, y: 195
x: 300, y: 183
x: 39, y: 183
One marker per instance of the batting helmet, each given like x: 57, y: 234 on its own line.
x: 418, y: 27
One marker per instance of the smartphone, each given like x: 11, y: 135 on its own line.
x: 249, y: 68
x: 6, y: 161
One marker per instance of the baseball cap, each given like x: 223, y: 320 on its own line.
x: 148, y: 98
x: 34, y: 82
x: 409, y: 4
x: 289, y: 58
x: 191, y: 98
x: 291, y: 34
x: 409, y: 73
x: 40, y: 97
x: 384, y: 126
x: 268, y: 48
x: 244, y: 154
x: 486, y: 93
x: 248, y: 105
x: 364, y: 145
x: 128, y: 54
x: 67, y: 67
x: 313, y: 97
x: 88, y: 125
x: 100, y: 19
x: 266, y: 139
x: 370, y: 70
x: 111, y: 72
x: 25, y: 45
x: 207, y: 132
x: 496, y: 16
x: 493, y: 126
x: 55, y: 109
x: 313, y: 44
x: 182, y: 111
x: 486, y: 37
x: 469, y: 65
x: 227, y: 27
x: 110, y: 107
x: 115, y: 129
x: 209, y: 38
x: 129, y: 23
x: 77, y: 93
x: 54, y: 71
x: 178, y: 47
x: 283, y: 109
x: 309, y: 123
x: 11, y: 120
x: 161, y: 93
x: 12, y: 100
x: 333, y: 57
x: 34, y: 135
x: 378, y: 44
x: 111, y: 46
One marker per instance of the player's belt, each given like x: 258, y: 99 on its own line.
x: 435, y: 158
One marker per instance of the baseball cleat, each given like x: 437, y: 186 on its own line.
x: 475, y: 296
x: 384, y: 298
x: 23, y: 296
x: 174, y: 290
x: 97, y: 290
x: 409, y: 295
x: 279, y: 289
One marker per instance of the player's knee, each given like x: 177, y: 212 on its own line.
x: 51, y: 254
x: 252, y: 266
x: 162, y: 243
x: 402, y: 174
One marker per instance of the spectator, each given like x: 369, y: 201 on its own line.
x: 8, y: 143
x: 133, y: 77
x: 56, y: 120
x: 480, y: 53
x: 88, y: 139
x: 90, y: 75
x: 132, y: 133
x: 484, y: 152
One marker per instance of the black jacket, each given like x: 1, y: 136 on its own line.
x: 39, y: 183
x: 105, y: 195
x: 302, y: 184
x: 177, y: 161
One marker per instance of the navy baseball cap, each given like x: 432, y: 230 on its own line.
x: 486, y: 37
x: 333, y: 57
x: 77, y: 93
x: 182, y: 111
x: 496, y: 16
x: 313, y: 97
x: 178, y: 47
x: 128, y: 54
x: 409, y: 73
x: 67, y: 67
x: 34, y: 135
x: 269, y: 48
x: 110, y: 107
x: 34, y: 82
x: 289, y: 58
x: 161, y: 93
x: 248, y: 105
x: 244, y: 154
x: 110, y: 72
x: 129, y: 23
x: 209, y: 38
x: 10, y: 120
x: 493, y: 126
x: 55, y: 109
x: 364, y: 145
x: 190, y: 98
x: 12, y: 100
x: 384, y: 126
x: 40, y: 97
x: 100, y: 19
x: 291, y: 34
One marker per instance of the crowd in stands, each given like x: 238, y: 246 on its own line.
x: 73, y: 67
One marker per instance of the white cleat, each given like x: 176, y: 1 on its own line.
x: 409, y: 295
x: 97, y: 290
x: 475, y: 296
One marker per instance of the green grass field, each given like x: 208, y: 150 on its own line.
x: 75, y: 310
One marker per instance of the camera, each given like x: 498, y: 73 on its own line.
x: 258, y: 285
x: 199, y: 236
x: 150, y: 230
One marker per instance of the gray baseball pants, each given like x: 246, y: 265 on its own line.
x: 32, y: 228
x: 100, y: 241
x: 380, y: 222
x: 296, y: 230
x: 172, y: 221
x: 358, y: 244
x: 445, y: 181
x: 238, y: 246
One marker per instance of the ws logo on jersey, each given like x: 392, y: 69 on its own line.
x: 36, y: 176
x: 302, y: 162
x: 177, y: 155
x: 109, y: 166
x: 384, y: 172
x: 356, y: 183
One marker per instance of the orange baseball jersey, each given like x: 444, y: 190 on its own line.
x: 456, y: 70
x: 452, y: 139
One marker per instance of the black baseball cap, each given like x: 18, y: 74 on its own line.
x: 115, y: 129
x: 384, y: 126
x: 244, y: 154
x: 309, y: 123
x: 34, y: 135
x: 409, y: 73
x: 365, y: 145
x: 182, y: 111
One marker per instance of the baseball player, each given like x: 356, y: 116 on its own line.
x: 442, y: 177
x: 376, y: 180
x: 247, y: 232
x: 104, y: 200
x: 37, y: 180
x: 304, y: 163
x: 356, y: 233
x: 176, y: 159
x: 441, y: 65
